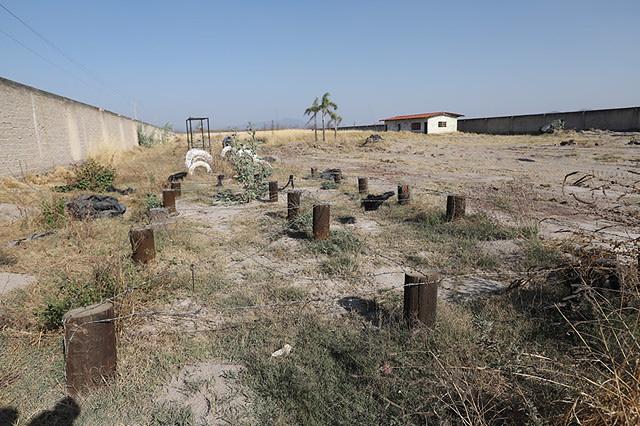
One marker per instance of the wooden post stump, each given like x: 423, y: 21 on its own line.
x: 363, y: 185
x: 90, y: 346
x: 420, y: 299
x: 273, y: 191
x: 293, y: 205
x: 169, y: 199
x: 403, y: 194
x: 337, y: 176
x: 220, y: 179
x: 143, y: 245
x: 314, y: 172
x: 177, y: 186
x: 455, y: 207
x: 321, y: 219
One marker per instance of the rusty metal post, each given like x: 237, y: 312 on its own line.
x: 177, y: 186
x: 314, y: 172
x: 293, y: 205
x: 420, y: 299
x: 220, y: 179
x: 143, y: 244
x: 337, y: 176
x: 273, y: 191
x: 321, y: 219
x: 403, y: 194
x: 455, y: 207
x: 363, y: 185
x: 169, y: 200
x: 90, y: 346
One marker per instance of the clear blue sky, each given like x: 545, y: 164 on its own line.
x: 240, y: 61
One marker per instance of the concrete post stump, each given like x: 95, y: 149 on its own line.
x: 143, y: 245
x: 293, y: 205
x: 169, y: 199
x: 273, y: 191
x: 420, y: 299
x: 321, y: 219
x: 403, y: 194
x: 456, y: 206
x: 90, y: 347
x: 177, y: 186
x: 363, y: 185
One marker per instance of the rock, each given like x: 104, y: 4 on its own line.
x: 95, y: 206
x: 9, y: 281
x: 568, y: 142
x: 158, y: 214
x: 373, y: 202
x: 633, y: 142
x: 373, y: 139
x: 9, y: 212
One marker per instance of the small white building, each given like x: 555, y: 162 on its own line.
x: 429, y: 123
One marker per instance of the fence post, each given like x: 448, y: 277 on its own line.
x: 143, y: 244
x: 456, y: 206
x: 273, y: 191
x: 177, y: 186
x: 321, y: 218
x: 169, y: 200
x: 90, y: 346
x: 420, y: 299
x: 293, y: 205
x: 337, y: 176
x: 403, y: 194
x: 314, y: 172
x: 220, y: 179
x: 363, y: 185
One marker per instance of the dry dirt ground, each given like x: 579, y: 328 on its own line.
x: 188, y: 319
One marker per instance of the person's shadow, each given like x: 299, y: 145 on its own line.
x: 8, y: 416
x: 64, y: 413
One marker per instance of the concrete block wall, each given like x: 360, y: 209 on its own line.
x: 40, y: 130
x: 615, y: 119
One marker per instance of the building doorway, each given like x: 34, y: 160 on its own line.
x: 426, y: 127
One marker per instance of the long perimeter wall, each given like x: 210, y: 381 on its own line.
x: 617, y: 119
x: 40, y: 130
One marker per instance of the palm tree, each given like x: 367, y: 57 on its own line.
x: 335, y: 120
x: 313, y: 111
x: 327, y: 106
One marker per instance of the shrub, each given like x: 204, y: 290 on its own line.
x: 53, y: 213
x: 90, y: 176
x: 75, y: 293
x: 152, y: 201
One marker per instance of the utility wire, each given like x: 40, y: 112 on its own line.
x: 50, y: 43
x: 44, y: 58
x: 59, y: 50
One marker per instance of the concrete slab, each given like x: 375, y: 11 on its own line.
x: 10, y: 281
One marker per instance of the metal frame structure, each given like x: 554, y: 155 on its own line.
x: 206, y: 144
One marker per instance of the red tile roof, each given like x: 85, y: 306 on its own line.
x: 421, y: 116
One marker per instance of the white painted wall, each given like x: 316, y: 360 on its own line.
x: 432, y: 125
x: 433, y: 128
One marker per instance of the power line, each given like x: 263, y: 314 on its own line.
x: 50, y: 43
x: 44, y: 58
x: 60, y: 51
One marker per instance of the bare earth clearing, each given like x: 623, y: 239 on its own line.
x: 231, y: 284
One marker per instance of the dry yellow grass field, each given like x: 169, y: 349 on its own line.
x: 514, y: 342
